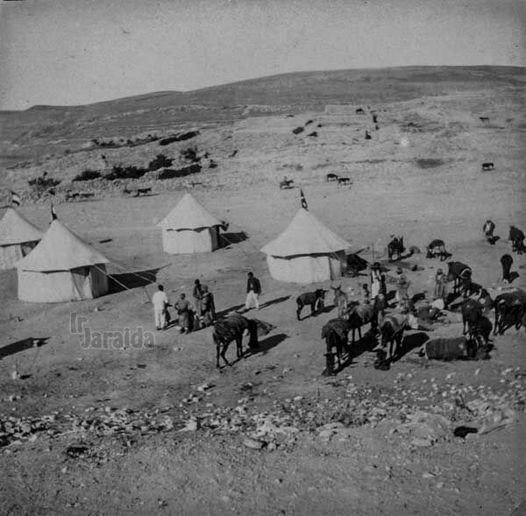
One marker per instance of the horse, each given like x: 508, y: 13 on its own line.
x: 335, y: 333
x: 510, y: 308
x: 232, y: 328
x: 392, y: 328
x: 437, y: 248
x: 314, y: 299
x: 331, y: 177
x: 516, y: 237
x: 344, y: 181
x: 341, y: 300
x: 286, y: 183
x: 459, y: 273
x: 471, y: 315
x: 395, y: 246
x: 361, y: 314
x: 488, y: 165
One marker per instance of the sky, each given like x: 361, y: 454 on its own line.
x: 68, y: 52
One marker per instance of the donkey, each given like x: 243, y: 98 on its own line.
x: 359, y: 315
x: 437, y: 248
x: 331, y: 177
x: 395, y: 247
x: 232, y: 328
x: 335, y: 333
x: 392, y: 328
x: 341, y: 300
x: 314, y: 299
x: 516, y: 237
x: 510, y: 308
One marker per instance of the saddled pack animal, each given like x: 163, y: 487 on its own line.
x: 392, y: 328
x: 313, y: 299
x: 488, y: 165
x: 437, y: 248
x: 474, y: 323
x: 341, y: 300
x: 331, y: 177
x: 516, y: 237
x: 510, y: 308
x: 361, y: 314
x: 232, y: 328
x: 395, y: 247
x: 335, y: 333
x: 459, y: 273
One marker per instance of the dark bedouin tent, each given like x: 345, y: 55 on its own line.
x: 189, y: 228
x: 17, y: 238
x: 306, y: 252
x: 62, y: 267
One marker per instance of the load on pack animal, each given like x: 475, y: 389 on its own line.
x: 436, y: 248
x: 392, y: 328
x: 313, y: 299
x: 335, y: 333
x: 359, y: 315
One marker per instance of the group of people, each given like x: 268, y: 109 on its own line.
x: 189, y: 316
x: 202, y: 311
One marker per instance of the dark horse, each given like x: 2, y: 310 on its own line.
x: 460, y: 274
x: 313, y: 299
x: 516, y: 237
x: 437, y: 248
x: 510, y: 308
x: 359, y: 315
x: 232, y: 328
x: 392, y: 328
x: 395, y: 247
x: 471, y: 320
x: 335, y: 333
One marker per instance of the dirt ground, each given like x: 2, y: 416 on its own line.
x: 199, y: 461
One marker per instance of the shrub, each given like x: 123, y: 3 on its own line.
x: 121, y: 172
x: 86, y: 175
x: 169, y: 173
x: 161, y: 161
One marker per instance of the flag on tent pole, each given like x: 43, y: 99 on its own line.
x: 54, y: 215
x: 15, y: 199
x: 304, y: 204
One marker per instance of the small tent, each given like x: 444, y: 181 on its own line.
x: 62, y: 267
x: 189, y: 228
x: 306, y: 252
x: 17, y: 238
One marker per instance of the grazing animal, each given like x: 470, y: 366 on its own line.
x: 232, y: 328
x: 360, y: 111
x: 437, y: 248
x: 341, y: 301
x: 516, y: 237
x: 344, y: 181
x: 456, y: 348
x: 71, y: 196
x: 458, y: 272
x: 395, y: 247
x: 335, y: 333
x: 331, y: 177
x: 313, y: 299
x: 286, y: 183
x: 367, y: 135
x: 142, y: 191
x: 510, y: 308
x: 488, y: 165
x: 484, y: 119
x: 392, y: 328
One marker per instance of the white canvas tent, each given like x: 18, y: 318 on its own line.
x: 189, y: 228
x: 62, y: 267
x: 306, y: 252
x: 17, y: 238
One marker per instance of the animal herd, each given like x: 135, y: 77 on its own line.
x: 387, y: 326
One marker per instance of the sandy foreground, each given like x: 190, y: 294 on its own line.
x: 157, y: 429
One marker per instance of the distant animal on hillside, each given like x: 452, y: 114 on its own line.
x: 344, y: 181
x: 395, y: 247
x: 458, y: 273
x: 286, y: 183
x: 70, y: 196
x: 331, y: 177
x: 335, y: 333
x: 360, y: 111
x: 516, y: 237
x: 367, y: 135
x: 86, y: 195
x: 313, y: 299
x: 437, y: 248
x: 143, y: 191
x: 510, y: 308
x: 233, y: 328
x: 488, y: 165
x: 484, y: 119
x: 341, y: 300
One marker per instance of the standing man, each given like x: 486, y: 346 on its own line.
x: 402, y: 285
x: 506, y: 262
x: 253, y: 291
x: 198, y: 296
x: 160, y: 302
x: 184, y: 310
x: 208, y: 307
